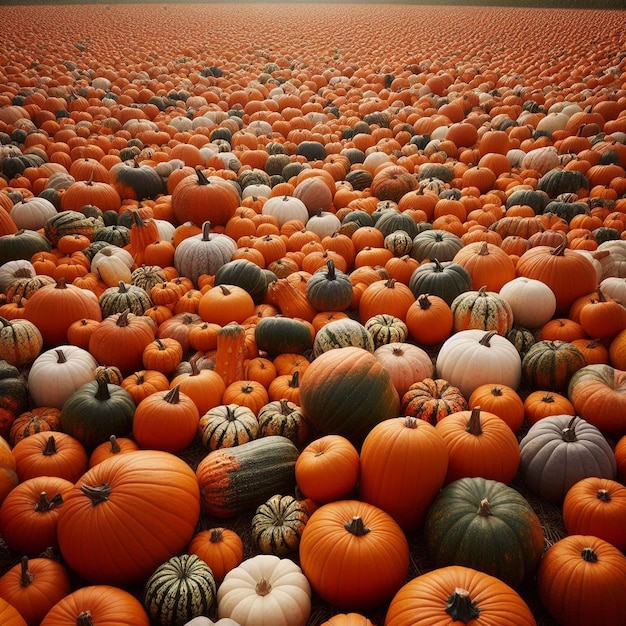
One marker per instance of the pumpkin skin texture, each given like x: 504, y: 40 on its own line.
x: 347, y: 619
x: 598, y: 395
x: 597, y: 506
x: 582, y: 580
x: 486, y: 525
x: 265, y: 589
x: 233, y: 480
x: 560, y: 450
x: 432, y: 399
x: 482, y: 309
x: 178, y: 590
x: 9, y: 615
x: 448, y: 595
x: 354, y: 554
x: 346, y: 391
x: 471, y: 358
x: 105, y: 603
x: 403, y: 464
x: 102, y: 531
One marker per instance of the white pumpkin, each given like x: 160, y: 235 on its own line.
x: 57, y: 373
x: 602, y: 261
x: 32, y: 213
x: 614, y: 287
x: 113, y: 264
x: 11, y: 270
x: 323, y: 224
x: 406, y: 364
x: 471, y: 358
x: 205, y: 621
x: 617, y: 248
x: 285, y: 208
x: 533, y: 303
x: 265, y: 589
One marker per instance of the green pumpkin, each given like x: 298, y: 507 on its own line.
x: 444, y: 279
x: 566, y: 210
x: 392, y: 220
x: 13, y: 396
x: 486, y: 525
x: 116, y: 235
x: 329, y: 290
x: 71, y: 223
x: 558, y: 181
x: 245, y: 274
x: 282, y: 335
x: 551, y: 364
x: 124, y: 296
x: 180, y: 589
x: 22, y: 244
x: 435, y: 244
x: 342, y: 333
x: 97, y: 410
x: 537, y: 200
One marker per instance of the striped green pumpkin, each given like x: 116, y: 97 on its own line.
x: 386, y: 328
x: 180, y: 589
x: 482, y: 310
x: 278, y: 523
x: 228, y: 425
x: 342, y: 333
x: 235, y: 480
x: 445, y: 279
x: 71, y: 223
x: 551, y: 364
x: 124, y: 296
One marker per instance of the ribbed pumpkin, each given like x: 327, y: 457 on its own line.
x: 472, y: 514
x: 178, y: 590
x: 487, y: 264
x: 329, y: 290
x: 281, y: 335
x: 444, y: 279
x: 432, y: 399
x: 354, y: 554
x: 482, y: 310
x: 220, y: 548
x: 551, y: 364
x: 453, y: 594
x: 560, y: 450
x: 346, y: 391
x: 119, y: 503
x: 227, y: 425
x: 277, y: 524
x: 403, y: 464
x: 342, y: 333
x: 20, y: 341
x: 124, y: 296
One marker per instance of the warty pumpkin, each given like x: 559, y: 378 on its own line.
x: 432, y: 399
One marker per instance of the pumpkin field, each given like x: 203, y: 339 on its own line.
x: 312, y: 314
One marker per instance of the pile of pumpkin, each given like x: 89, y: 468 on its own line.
x: 374, y: 306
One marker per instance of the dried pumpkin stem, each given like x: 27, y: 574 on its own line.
x: 589, y: 555
x: 26, y: 576
x: 569, y: 432
x: 50, y: 447
x: 473, y: 424
x: 484, y: 508
x: 97, y: 494
x: 263, y: 587
x: 84, y: 619
x: 460, y: 607
x: 356, y: 526
x: 43, y: 504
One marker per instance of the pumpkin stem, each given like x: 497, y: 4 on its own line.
x: 102, y: 393
x: 560, y: 249
x: 485, y: 341
x: 460, y: 607
x: 173, y: 395
x: 84, y: 619
x: 61, y: 358
x: 225, y: 290
x: 589, y: 555
x: 50, y: 447
x: 206, y: 230
x: 331, y: 274
x: 97, y: 494
x: 43, y: 504
x: 26, y: 576
x: 569, y: 433
x: 294, y: 383
x: 122, y: 319
x: 410, y: 421
x: 438, y: 267
x: 60, y: 283
x: 202, y: 179
x: 424, y: 302
x: 473, y: 424
x: 263, y: 587
x: 484, y: 508
x: 604, y: 495
x: 356, y: 527
x: 549, y: 398
x: 484, y: 249
x: 122, y: 287
x: 23, y: 272
x: 115, y: 446
x: 217, y: 535
x: 284, y: 406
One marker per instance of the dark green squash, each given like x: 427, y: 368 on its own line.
x: 280, y: 335
x: 444, y: 279
x: 97, y: 410
x: 13, y: 396
x: 124, y: 296
x: 329, y: 290
x: 71, y: 223
x: 245, y: 274
x: 551, y: 364
x: 22, y: 244
x: 558, y: 181
x: 486, y: 525
x: 238, y: 479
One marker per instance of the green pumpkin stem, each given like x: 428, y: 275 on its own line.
x: 484, y: 508
x: 173, y: 395
x: 569, y: 432
x: 97, y: 494
x: 589, y: 555
x: 460, y: 607
x: 84, y: 619
x: 473, y: 424
x: 102, y: 392
x: 356, y: 526
x: 43, y: 504
x: 26, y: 576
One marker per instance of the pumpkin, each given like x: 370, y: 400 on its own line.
x: 22, y: 244
x: 434, y: 244
x: 596, y: 392
x: 560, y: 450
x: 97, y: 604
x: 327, y: 469
x: 124, y: 297
x: 386, y: 329
x: 582, y: 579
x: 20, y: 341
x: 483, y: 310
x: 29, y: 514
x: 329, y: 290
x: 402, y: 447
x: 265, y: 589
x: 281, y: 334
x: 479, y: 444
x: 181, y: 588
x: 277, y: 525
x: 227, y: 425
x: 332, y: 381
x: 474, y: 357
x: 13, y: 395
x: 112, y: 447
x: 406, y: 364
x: 234, y: 480
x: 39, y: 419
x: 107, y: 516
x: 432, y: 399
x: 342, y: 333
x: 353, y: 554
x: 245, y: 274
x: 204, y: 386
x: 283, y: 417
x: 541, y: 403
x: 444, y: 279
x: 596, y: 506
x: 452, y: 594
x: 220, y: 548
x: 501, y: 400
x: 10, y: 615
x: 487, y: 264
x: 165, y: 421
x: 551, y: 364
x: 69, y: 222
x: 347, y: 619
x: 520, y: 292
x: 475, y: 513
x: 97, y: 410
x: 34, y: 586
